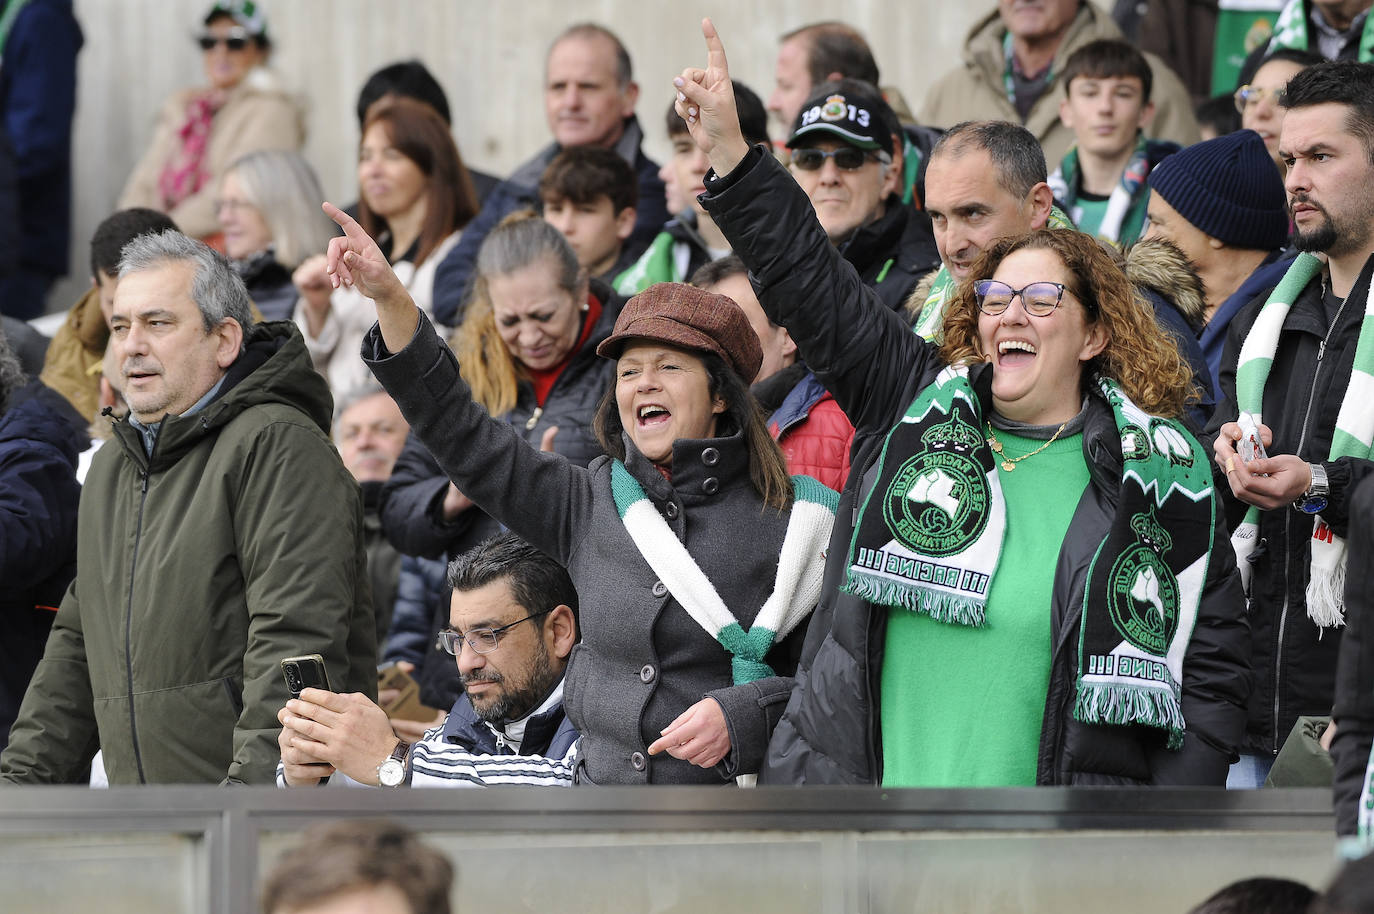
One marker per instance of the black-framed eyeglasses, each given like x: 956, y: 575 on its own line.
x: 1039, y: 298
x: 481, y: 640
x: 847, y: 158
x: 1247, y: 96
x: 235, y: 40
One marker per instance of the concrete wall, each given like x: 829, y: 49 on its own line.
x: 488, y: 56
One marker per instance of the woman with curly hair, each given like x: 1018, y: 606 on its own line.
x: 1026, y: 583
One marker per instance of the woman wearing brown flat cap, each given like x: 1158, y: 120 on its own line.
x: 690, y: 630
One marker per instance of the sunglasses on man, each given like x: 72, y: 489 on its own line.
x: 847, y: 158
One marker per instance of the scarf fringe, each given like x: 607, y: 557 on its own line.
x: 939, y: 606
x: 1099, y: 703
x: 1325, y: 595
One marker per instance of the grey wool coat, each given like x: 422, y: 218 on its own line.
x: 642, y: 660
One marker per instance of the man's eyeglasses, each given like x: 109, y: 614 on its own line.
x: 1249, y: 96
x: 847, y: 158
x: 236, y: 40
x: 1039, y: 298
x: 481, y: 640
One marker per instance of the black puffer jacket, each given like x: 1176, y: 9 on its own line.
x: 1295, y: 663
x: 38, y: 501
x: 1354, y: 707
x: 874, y: 365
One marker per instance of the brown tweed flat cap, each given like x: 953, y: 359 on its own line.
x: 689, y: 318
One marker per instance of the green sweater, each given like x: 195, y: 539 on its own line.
x: 962, y: 707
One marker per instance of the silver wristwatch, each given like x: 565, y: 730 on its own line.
x: 1315, y: 499
x: 392, y: 772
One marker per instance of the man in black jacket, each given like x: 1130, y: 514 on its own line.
x: 1315, y: 406
x: 846, y: 155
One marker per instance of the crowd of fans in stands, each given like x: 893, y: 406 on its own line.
x: 1022, y: 440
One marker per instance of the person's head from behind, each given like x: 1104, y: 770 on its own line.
x: 1350, y: 892
x: 845, y: 155
x: 233, y: 42
x: 180, y: 315
x: 1217, y: 196
x: 272, y: 198
x: 370, y: 433
x: 410, y: 172
x: 405, y: 79
x: 1106, y: 97
x: 527, y: 309
x: 1327, y: 144
x: 1259, y: 100
x: 684, y: 359
x: 589, y: 87
x: 12, y: 375
x: 352, y: 867
x: 814, y: 54
x: 512, y: 625
x: 1258, y: 896
x: 1217, y: 116
x: 729, y: 276
x: 688, y: 165
x: 590, y: 195
x: 985, y: 181
x: 1052, y: 311
x: 107, y: 246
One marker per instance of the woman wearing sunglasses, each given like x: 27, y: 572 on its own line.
x: 201, y: 131
x: 1026, y: 583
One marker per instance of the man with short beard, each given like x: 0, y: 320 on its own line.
x: 513, y: 625
x: 1299, y: 363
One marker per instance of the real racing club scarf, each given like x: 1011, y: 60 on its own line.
x: 930, y: 532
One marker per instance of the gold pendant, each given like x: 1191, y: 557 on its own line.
x: 1008, y: 465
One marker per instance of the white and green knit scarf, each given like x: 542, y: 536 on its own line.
x: 930, y: 324
x: 1352, y: 437
x: 796, y: 588
x: 1291, y: 31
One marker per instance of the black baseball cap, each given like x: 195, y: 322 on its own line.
x: 850, y: 110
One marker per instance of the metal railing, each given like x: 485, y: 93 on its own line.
x: 668, y: 849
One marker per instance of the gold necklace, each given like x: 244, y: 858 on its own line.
x: 1009, y: 463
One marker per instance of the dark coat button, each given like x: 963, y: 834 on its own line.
x: 710, y: 485
x: 646, y: 673
x: 637, y: 761
x: 710, y: 456
x: 660, y: 588
x: 670, y: 509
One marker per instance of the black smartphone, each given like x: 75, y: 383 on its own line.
x: 304, y: 672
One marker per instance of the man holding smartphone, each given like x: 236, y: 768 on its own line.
x: 513, y: 624
x: 218, y: 534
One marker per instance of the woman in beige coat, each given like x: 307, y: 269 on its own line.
x: 201, y: 131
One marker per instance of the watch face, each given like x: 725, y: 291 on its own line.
x: 391, y: 773
x: 1313, y: 504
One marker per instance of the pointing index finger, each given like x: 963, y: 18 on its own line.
x: 715, y: 51
x: 346, y: 222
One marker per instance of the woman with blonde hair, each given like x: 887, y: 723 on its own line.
x: 1027, y: 582
x: 269, y: 211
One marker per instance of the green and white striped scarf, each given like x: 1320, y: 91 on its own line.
x: 1125, y: 207
x: 797, y: 587
x: 930, y: 325
x: 1352, y: 437
x: 1291, y: 31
